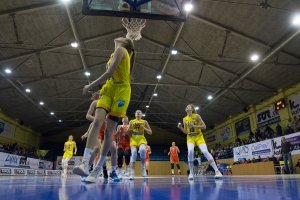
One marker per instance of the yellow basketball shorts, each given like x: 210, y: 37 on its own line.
x: 196, y: 140
x: 137, y: 140
x: 115, y: 99
x: 67, y: 155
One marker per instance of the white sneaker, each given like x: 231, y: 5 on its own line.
x: 82, y: 169
x: 191, y: 176
x: 63, y: 175
x: 131, y: 177
x: 218, y: 174
x: 92, y: 178
x: 144, y: 173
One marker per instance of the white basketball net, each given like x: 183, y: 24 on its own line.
x: 134, y: 27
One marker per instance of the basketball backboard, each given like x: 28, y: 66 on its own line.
x: 170, y: 10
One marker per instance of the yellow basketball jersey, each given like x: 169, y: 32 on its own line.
x: 136, y: 126
x: 191, y: 120
x: 69, y: 147
x: 122, y: 73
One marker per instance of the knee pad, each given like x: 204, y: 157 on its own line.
x: 178, y: 166
x: 142, y: 152
x: 133, y: 155
x: 172, y: 165
x: 114, y: 118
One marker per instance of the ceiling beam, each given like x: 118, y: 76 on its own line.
x: 190, y: 83
x: 177, y: 35
x: 76, y: 36
x: 269, y: 54
x: 201, y: 60
x: 239, y: 34
x: 30, y: 8
x: 48, y: 49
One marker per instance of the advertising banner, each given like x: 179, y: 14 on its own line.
x: 267, y: 116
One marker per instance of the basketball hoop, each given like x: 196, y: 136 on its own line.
x: 134, y: 27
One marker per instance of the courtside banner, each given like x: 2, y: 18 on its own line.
x: 53, y: 172
x: 9, y: 160
x: 263, y: 149
x: 6, y: 171
x: 40, y: 172
x: 33, y: 163
x: 19, y: 171
x: 30, y: 172
x: 294, y: 139
x: 74, y: 161
x: 242, y: 153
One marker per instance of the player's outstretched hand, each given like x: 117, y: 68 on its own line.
x: 85, y: 89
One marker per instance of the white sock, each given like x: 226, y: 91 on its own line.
x: 191, y: 166
x: 113, y: 168
x: 87, y: 154
x: 126, y: 168
x: 143, y: 165
x: 213, y: 164
x: 132, y: 172
x: 172, y: 170
x: 101, y: 161
x: 120, y: 170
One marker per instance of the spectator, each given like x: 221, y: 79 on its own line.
x: 289, y: 130
x: 297, y: 124
x: 257, y: 134
x: 258, y: 159
x: 278, y: 130
x: 290, y: 123
x: 286, y: 149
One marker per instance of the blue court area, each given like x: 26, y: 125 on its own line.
x: 156, y: 188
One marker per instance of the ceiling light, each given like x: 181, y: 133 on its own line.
x: 41, y: 103
x: 87, y: 74
x: 188, y: 7
x: 174, y: 52
x: 147, y: 106
x: 74, y: 44
x: 27, y: 90
x: 254, y: 57
x: 197, y: 108
x: 59, y: 120
x: 155, y: 94
x: 209, y: 97
x: 144, y: 115
x: 52, y: 113
x: 159, y: 77
x: 8, y: 71
x: 296, y: 20
x: 66, y: 1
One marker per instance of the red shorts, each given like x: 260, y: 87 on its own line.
x: 174, y: 159
x: 124, y: 146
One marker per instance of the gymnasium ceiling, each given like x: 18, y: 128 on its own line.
x: 214, y: 46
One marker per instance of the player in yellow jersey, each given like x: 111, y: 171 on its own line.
x: 69, y: 147
x: 114, y: 100
x: 193, y: 126
x: 137, y: 128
